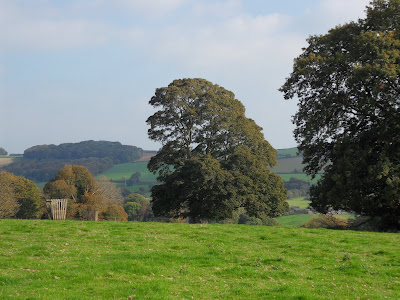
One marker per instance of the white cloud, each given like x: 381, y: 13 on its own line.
x: 21, y: 29
x: 343, y: 9
x: 139, y: 8
x: 150, y: 7
x: 221, y: 9
x: 329, y: 14
x: 238, y: 40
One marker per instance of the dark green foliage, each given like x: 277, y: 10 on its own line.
x: 45, y: 169
x: 138, y: 208
x: 247, y: 220
x: 100, y: 149
x: 214, y: 159
x: 134, y: 179
x: 199, y: 189
x: 132, y: 209
x: 297, y: 187
x: 3, y: 152
x: 348, y: 122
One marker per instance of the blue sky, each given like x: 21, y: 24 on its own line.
x: 85, y: 70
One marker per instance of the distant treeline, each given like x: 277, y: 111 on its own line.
x: 88, y: 149
x: 41, y: 163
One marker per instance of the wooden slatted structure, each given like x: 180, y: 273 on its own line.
x: 58, y: 208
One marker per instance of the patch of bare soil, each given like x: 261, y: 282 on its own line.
x: 4, y: 161
x: 146, y: 156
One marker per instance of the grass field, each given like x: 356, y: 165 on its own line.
x: 289, y: 165
x: 286, y: 177
x: 111, y: 260
x: 5, y: 160
x: 295, y: 220
x: 287, y: 151
x: 285, y: 168
x: 300, y: 202
x: 126, y: 170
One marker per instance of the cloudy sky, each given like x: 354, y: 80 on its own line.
x: 85, y: 70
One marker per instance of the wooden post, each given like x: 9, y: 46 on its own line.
x: 93, y: 215
x: 58, y: 208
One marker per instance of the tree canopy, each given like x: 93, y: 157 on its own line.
x: 213, y: 158
x: 3, y: 151
x: 19, y: 197
x: 348, y: 121
x: 85, y: 194
x: 87, y: 149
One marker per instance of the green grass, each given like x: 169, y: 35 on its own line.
x: 289, y: 165
x: 300, y: 202
x: 111, y: 260
x: 295, y: 220
x: 126, y: 170
x: 286, y: 177
x: 288, y: 151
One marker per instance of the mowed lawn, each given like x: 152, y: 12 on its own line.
x: 130, y: 260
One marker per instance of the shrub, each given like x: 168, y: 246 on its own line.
x: 114, y: 213
x: 327, y: 221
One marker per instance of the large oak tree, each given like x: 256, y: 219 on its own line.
x: 348, y: 121
x: 213, y: 158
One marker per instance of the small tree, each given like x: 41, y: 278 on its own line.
x: 9, y: 205
x: 132, y: 209
x: 115, y: 213
x: 3, y: 152
x: 22, y: 198
x: 138, y: 208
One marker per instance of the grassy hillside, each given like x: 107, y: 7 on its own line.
x: 286, y: 168
x: 289, y: 165
x: 109, y: 260
x: 288, y: 152
x: 295, y: 220
x: 286, y: 177
x: 126, y: 170
x: 5, y: 160
x: 300, y: 202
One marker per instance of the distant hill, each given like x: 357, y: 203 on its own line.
x: 88, y: 149
x: 40, y: 163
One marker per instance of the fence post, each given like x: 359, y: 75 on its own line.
x: 58, y: 208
